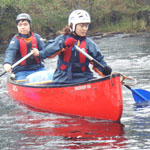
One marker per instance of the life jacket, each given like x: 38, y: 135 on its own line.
x: 24, y: 49
x: 68, y: 57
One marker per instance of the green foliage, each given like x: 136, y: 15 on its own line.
x: 50, y: 16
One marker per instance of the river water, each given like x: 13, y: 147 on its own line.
x: 22, y: 128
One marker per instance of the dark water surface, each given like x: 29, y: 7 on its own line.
x: 22, y: 128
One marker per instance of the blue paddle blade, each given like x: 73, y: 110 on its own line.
x: 140, y: 95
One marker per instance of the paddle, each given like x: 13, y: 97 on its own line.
x: 139, y: 95
x: 39, y: 83
x: 18, y: 62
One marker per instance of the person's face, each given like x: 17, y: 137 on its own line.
x: 81, y: 29
x: 23, y: 27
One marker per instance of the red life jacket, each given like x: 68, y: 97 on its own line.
x: 24, y: 49
x: 67, y: 57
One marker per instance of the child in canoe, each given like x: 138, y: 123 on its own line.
x: 20, y: 45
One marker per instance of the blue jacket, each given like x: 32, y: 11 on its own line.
x: 13, y: 54
x: 72, y: 75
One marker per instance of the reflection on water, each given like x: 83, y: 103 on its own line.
x: 23, y: 128
x: 41, y: 130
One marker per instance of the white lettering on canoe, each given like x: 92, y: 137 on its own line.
x: 83, y: 87
x: 14, y: 88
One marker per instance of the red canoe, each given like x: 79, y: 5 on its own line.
x: 99, y: 98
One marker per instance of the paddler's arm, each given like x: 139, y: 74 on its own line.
x: 10, y: 54
x: 51, y: 48
x: 95, y: 52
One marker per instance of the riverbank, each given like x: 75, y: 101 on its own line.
x: 49, y: 17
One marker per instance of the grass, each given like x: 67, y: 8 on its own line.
x: 125, y: 26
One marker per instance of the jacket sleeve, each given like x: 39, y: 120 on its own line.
x: 52, y: 47
x: 11, y: 51
x: 95, y: 52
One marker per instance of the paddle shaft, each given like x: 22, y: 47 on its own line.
x: 18, y: 62
x: 88, y: 56
x: 128, y: 87
x: 38, y: 83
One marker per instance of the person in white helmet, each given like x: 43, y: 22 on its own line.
x: 73, y: 67
x: 20, y: 45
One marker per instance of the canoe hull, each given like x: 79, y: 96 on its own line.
x: 95, y: 99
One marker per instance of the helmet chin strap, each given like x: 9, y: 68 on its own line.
x: 75, y: 33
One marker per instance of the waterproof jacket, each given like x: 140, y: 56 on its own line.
x: 71, y: 71
x: 19, y: 46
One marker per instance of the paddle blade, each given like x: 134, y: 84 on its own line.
x: 140, y: 95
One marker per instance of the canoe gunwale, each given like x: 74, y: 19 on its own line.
x: 63, y: 85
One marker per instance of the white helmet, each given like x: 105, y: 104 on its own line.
x: 78, y: 16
